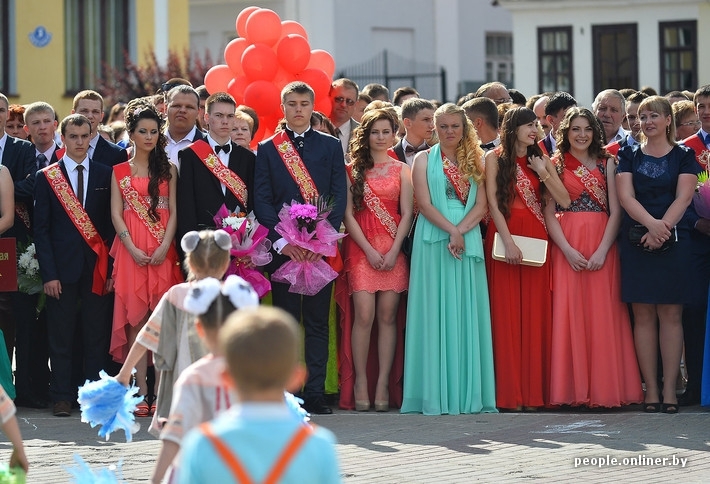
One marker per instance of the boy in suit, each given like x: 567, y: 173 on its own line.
x: 72, y: 226
x: 260, y: 439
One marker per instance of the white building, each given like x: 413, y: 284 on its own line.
x: 470, y: 40
x: 585, y: 46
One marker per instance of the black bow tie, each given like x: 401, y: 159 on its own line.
x: 411, y: 149
x: 488, y: 146
x: 226, y: 147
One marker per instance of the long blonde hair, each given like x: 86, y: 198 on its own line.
x: 468, y: 152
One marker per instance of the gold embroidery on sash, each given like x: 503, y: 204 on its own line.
x: 527, y: 193
x: 296, y: 167
x: 139, y: 207
x: 460, y: 184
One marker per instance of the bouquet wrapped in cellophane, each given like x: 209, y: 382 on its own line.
x: 701, y: 198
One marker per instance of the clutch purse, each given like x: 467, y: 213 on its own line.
x: 636, y: 232
x: 534, y: 250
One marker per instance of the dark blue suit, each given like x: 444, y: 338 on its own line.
x: 64, y: 255
x: 109, y: 153
x: 273, y: 186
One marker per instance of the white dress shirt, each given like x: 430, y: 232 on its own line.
x: 223, y: 157
x: 73, y: 174
x: 174, y: 146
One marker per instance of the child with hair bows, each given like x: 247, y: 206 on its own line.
x: 170, y: 331
x: 200, y: 393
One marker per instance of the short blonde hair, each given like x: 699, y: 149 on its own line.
x: 261, y: 347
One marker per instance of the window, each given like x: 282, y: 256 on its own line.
x: 499, y: 58
x: 6, y: 33
x: 679, y: 55
x: 554, y: 46
x: 97, y: 36
x: 615, y: 56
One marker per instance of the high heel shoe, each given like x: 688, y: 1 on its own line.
x: 382, y: 406
x: 362, y: 405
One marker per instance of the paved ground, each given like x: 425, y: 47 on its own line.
x: 393, y: 448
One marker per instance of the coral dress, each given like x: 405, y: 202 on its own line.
x: 593, y: 355
x: 521, y: 306
x: 359, y: 275
x: 448, y: 365
x: 138, y: 289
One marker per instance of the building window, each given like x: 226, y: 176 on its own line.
x: 615, y: 56
x: 6, y: 64
x: 554, y: 46
x: 679, y: 55
x: 97, y: 37
x: 499, y: 58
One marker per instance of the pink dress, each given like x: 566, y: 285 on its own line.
x: 138, y: 289
x: 359, y: 275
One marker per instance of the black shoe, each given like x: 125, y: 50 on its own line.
x: 30, y: 402
x: 62, y: 409
x: 316, y: 406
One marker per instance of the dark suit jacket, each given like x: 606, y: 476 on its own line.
x: 62, y: 252
x: 55, y: 155
x: 18, y: 156
x: 274, y: 186
x: 399, y: 151
x: 108, y: 153
x: 199, y: 193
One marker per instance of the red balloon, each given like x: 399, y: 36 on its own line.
x: 241, y: 22
x: 318, y: 81
x: 263, y: 27
x: 236, y: 88
x: 293, y: 53
x: 289, y: 27
x: 323, y: 105
x: 217, y: 78
x: 233, y: 55
x: 263, y: 97
x: 259, y: 62
x: 322, y: 60
x: 282, y: 78
x: 258, y: 136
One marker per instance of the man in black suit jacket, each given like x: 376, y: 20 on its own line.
x: 183, y: 108
x: 322, y: 156
x: 418, y: 119
x: 200, y: 194
x: 74, y: 273
x: 91, y: 104
x: 18, y: 158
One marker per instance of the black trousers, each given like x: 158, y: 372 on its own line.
x: 31, y: 347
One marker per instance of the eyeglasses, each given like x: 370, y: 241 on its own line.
x: 691, y: 123
x: 341, y: 100
x: 166, y: 87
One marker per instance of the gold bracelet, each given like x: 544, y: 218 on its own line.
x: 545, y: 179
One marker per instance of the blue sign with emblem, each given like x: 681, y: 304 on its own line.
x: 40, y: 37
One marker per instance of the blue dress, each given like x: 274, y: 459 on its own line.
x: 448, y: 355
x: 656, y: 277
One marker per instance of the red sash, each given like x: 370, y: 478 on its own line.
x: 591, y: 182
x: 80, y: 219
x: 375, y: 205
x: 295, y: 166
x: 527, y: 193
x: 59, y: 153
x: 460, y: 184
x: 225, y: 176
x: 137, y: 202
x: 282, y: 461
x: 702, y: 155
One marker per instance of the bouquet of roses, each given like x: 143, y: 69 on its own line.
x: 250, y: 247
x: 701, y: 199
x: 306, y: 225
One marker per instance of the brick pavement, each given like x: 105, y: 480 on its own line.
x: 393, y: 448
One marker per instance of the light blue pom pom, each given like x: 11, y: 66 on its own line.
x: 294, y: 405
x: 108, y: 403
x: 83, y: 474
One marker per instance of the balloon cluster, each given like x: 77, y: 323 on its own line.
x: 267, y: 55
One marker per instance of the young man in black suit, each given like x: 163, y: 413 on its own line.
x: 91, y: 105
x: 321, y: 157
x: 418, y: 119
x: 72, y: 226
x: 203, y: 187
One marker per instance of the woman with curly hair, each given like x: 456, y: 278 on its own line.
x: 593, y: 356
x: 377, y: 219
x: 143, y: 214
x: 448, y: 368
x: 521, y: 301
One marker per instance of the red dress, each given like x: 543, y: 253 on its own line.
x: 358, y: 275
x: 138, y: 289
x: 521, y: 309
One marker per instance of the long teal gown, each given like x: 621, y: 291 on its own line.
x: 448, y: 356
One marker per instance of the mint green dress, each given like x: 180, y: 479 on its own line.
x: 448, y: 353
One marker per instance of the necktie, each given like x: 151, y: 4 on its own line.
x: 80, y: 184
x: 226, y: 147
x: 41, y: 161
x: 488, y: 146
x: 411, y: 149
